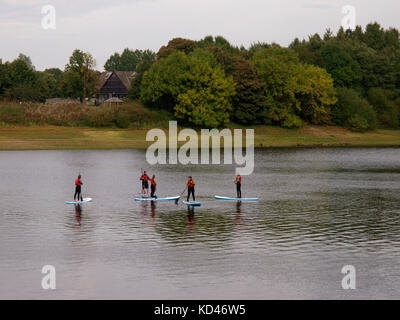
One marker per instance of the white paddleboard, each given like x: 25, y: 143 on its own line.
x: 157, y: 199
x: 85, y: 200
x: 192, y: 204
x: 236, y: 199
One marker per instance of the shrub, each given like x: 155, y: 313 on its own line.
x: 122, y: 119
x: 353, y: 111
x: 386, y: 109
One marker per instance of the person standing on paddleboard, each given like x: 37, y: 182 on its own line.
x: 190, y: 187
x: 153, y: 186
x: 145, y: 183
x: 238, y: 181
x: 78, y: 191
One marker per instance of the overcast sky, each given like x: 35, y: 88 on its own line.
x: 105, y: 26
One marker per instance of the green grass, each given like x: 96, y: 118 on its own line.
x: 58, y: 138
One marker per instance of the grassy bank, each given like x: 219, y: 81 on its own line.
x: 56, y: 137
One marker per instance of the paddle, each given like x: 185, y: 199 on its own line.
x: 177, y: 200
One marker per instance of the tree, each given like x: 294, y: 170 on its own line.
x: 207, y: 102
x: 22, y: 82
x: 345, y: 71
x: 27, y: 60
x: 80, y: 79
x: 176, y: 44
x: 128, y: 60
x: 141, y: 68
x: 219, y: 42
x: 53, y: 77
x: 314, y: 94
x: 225, y: 59
x: 293, y: 90
x: 249, y: 103
x: 193, y: 86
x: 164, y: 81
x: 353, y: 111
x: 385, y: 107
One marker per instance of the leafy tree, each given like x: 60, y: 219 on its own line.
x: 249, y: 103
x: 165, y: 81
x: 275, y: 67
x: 385, y: 107
x: 194, y: 86
x: 27, y: 60
x: 53, y: 78
x: 353, y: 111
x: 293, y: 89
x: 128, y: 60
x: 345, y: 71
x: 374, y: 36
x: 80, y: 79
x: 141, y: 68
x: 219, y: 42
x: 22, y: 82
x: 225, y: 59
x: 314, y: 94
x: 208, y: 101
x: 176, y: 44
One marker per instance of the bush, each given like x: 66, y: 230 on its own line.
x: 76, y: 114
x: 292, y: 121
x: 358, y: 123
x: 353, y: 111
x: 386, y: 109
x: 122, y: 119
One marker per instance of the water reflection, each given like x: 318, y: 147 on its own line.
x: 78, y: 215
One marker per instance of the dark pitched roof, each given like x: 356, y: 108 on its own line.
x: 125, y: 77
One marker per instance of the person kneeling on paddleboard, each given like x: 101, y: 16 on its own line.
x: 78, y: 194
x: 153, y: 187
x: 145, y: 183
x: 238, y: 181
x: 190, y: 187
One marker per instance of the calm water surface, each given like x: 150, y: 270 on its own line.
x: 319, y: 209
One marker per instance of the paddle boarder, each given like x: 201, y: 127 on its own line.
x: 145, y: 183
x: 78, y: 183
x: 153, y: 186
x: 238, y: 181
x: 190, y: 187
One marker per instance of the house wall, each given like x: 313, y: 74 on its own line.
x: 113, y: 87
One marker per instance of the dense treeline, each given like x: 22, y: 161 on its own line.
x: 351, y: 79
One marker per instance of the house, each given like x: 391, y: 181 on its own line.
x: 115, y: 84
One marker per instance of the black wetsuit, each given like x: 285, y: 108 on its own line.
x: 78, y: 193
x: 239, y: 189
x: 153, y: 189
x: 191, y: 191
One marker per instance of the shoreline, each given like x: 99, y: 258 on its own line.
x: 266, y: 137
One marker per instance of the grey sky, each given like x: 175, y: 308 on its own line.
x: 105, y: 26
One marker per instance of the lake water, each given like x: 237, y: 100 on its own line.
x: 319, y: 210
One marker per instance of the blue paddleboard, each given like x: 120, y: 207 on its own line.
x: 236, y: 199
x: 192, y: 204
x: 157, y: 199
x: 85, y: 200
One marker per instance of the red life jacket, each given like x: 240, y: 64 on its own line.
x: 153, y: 182
x: 239, y: 179
x: 78, y: 182
x: 191, y: 183
x: 145, y: 177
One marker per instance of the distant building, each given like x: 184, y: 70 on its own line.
x: 115, y: 84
